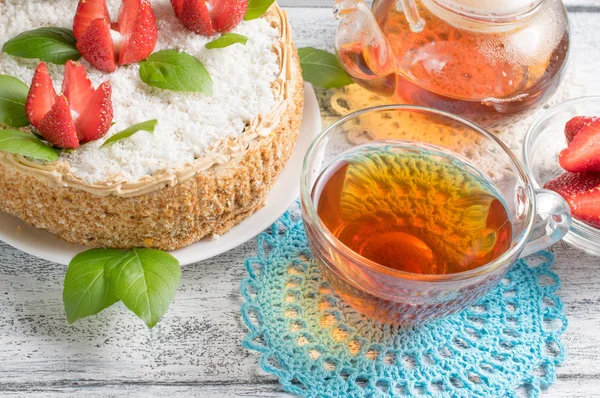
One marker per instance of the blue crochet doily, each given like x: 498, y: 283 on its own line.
x: 505, y: 346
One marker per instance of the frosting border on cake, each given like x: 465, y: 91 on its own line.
x: 58, y: 174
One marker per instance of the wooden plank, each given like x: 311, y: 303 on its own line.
x: 573, y: 387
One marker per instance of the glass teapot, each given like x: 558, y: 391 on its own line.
x: 482, y: 59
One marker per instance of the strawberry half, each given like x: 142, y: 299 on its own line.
x: 209, y: 17
x: 136, y: 30
x: 87, y: 12
x: 582, y: 192
x: 80, y: 114
x: 92, y: 109
x: 583, y: 153
x: 177, y: 6
x: 41, y: 95
x: 96, y: 46
x: 574, y: 125
x: 137, y: 25
x: 227, y: 15
x: 57, y: 126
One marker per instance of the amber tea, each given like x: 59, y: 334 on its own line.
x: 479, y: 71
x: 413, y: 209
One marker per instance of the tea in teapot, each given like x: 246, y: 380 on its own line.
x: 477, y: 58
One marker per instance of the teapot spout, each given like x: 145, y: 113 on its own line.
x: 362, y: 48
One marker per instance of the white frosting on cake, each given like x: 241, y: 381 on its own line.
x: 188, y: 123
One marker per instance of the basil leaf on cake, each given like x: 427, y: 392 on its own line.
x: 176, y: 166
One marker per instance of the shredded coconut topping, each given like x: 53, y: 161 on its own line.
x: 188, y: 123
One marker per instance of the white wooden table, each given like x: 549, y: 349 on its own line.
x: 195, y: 349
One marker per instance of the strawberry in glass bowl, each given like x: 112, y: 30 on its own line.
x: 561, y: 153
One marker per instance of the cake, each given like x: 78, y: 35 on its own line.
x: 210, y: 162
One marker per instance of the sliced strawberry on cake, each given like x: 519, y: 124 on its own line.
x: 582, y: 192
x: 583, y: 153
x: 78, y: 115
x: 105, y: 44
x: 209, y: 17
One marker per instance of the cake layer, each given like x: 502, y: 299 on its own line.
x: 194, y: 131
x: 170, y: 209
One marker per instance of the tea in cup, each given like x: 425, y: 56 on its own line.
x: 410, y: 230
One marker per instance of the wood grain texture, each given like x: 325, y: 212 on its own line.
x: 195, y: 350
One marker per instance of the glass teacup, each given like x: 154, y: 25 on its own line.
x: 539, y: 218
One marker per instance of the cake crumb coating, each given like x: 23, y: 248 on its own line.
x: 211, y: 203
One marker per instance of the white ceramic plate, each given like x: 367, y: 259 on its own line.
x: 42, y: 244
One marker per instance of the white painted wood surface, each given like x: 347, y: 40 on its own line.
x: 195, y: 350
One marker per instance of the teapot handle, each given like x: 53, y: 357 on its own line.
x: 362, y: 48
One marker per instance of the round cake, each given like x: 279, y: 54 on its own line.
x: 210, y: 162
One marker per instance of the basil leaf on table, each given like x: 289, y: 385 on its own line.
x: 21, y: 143
x: 256, y: 8
x: 86, y: 289
x: 13, y: 95
x: 53, y: 45
x: 322, y: 68
x: 226, y: 40
x: 176, y: 71
x: 146, y: 280
x: 148, y: 126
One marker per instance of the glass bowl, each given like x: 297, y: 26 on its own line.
x: 395, y: 296
x: 543, y: 142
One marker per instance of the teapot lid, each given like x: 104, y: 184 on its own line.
x: 491, y: 9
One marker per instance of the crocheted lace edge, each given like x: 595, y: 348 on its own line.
x: 535, y: 382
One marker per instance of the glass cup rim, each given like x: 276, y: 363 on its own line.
x: 310, y: 210
x: 577, y: 226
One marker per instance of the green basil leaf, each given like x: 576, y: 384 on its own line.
x: 177, y: 71
x: 256, y: 8
x: 322, y: 68
x: 146, y: 281
x: 148, y: 126
x: 87, y: 290
x: 21, y: 143
x: 13, y: 94
x: 54, y: 45
x: 226, y: 40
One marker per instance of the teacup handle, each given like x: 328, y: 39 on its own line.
x: 555, y: 223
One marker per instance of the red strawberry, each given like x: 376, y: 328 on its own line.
x: 87, y: 12
x: 92, y: 108
x: 95, y: 121
x: 177, y: 6
x: 194, y: 16
x: 570, y: 184
x: 136, y: 26
x: 96, y: 46
x: 228, y: 14
x: 41, y: 95
x: 586, y: 207
x: 57, y: 126
x: 77, y: 87
x: 80, y: 114
x: 209, y: 17
x: 574, y: 125
x: 582, y: 192
x: 583, y: 153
